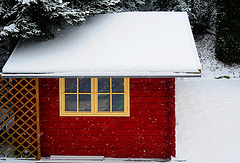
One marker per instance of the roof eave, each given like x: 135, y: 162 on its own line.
x: 59, y: 75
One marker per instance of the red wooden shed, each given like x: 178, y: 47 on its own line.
x: 107, y: 88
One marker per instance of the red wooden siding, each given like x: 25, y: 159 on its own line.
x: 149, y: 132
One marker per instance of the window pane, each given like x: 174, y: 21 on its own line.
x: 103, y: 102
x: 85, y: 85
x: 104, y: 85
x: 70, y: 85
x: 84, y: 102
x: 71, y: 102
x: 118, y: 102
x: 118, y: 85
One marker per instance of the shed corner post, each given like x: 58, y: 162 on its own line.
x: 38, y: 120
x: 172, y: 118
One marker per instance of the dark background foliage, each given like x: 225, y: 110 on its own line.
x: 228, y: 32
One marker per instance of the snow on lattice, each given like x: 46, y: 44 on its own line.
x: 123, y: 44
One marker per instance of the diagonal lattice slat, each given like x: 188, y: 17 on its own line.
x: 19, y: 118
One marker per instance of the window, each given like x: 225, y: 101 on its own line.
x: 94, y: 96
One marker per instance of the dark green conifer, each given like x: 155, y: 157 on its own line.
x: 228, y: 31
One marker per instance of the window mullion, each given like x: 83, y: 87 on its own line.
x: 77, y: 95
x: 111, y: 95
x: 96, y: 95
x: 93, y: 95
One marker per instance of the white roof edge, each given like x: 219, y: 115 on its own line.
x: 69, y: 75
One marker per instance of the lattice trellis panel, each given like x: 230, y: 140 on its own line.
x: 19, y: 118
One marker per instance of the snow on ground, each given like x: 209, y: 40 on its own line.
x: 208, y: 116
x: 208, y: 111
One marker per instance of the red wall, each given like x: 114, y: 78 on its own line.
x: 149, y: 132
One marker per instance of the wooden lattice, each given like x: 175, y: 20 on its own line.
x: 19, y: 118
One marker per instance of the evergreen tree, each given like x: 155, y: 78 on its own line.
x: 202, y: 14
x: 228, y: 31
x: 27, y: 18
x: 95, y: 6
x: 169, y: 5
x: 137, y: 5
x: 38, y: 18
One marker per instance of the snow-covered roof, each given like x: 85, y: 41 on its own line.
x: 130, y: 44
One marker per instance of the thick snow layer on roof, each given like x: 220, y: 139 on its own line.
x: 121, y: 44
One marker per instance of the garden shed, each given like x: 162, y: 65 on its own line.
x: 107, y: 88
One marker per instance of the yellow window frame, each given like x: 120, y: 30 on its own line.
x: 94, y: 100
